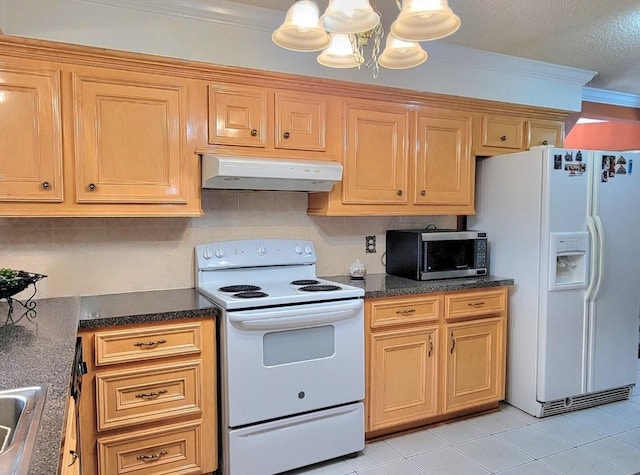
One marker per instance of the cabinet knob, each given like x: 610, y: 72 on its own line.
x: 254, y: 132
x: 545, y: 142
x: 399, y: 192
x: 423, y: 192
x: 46, y: 185
x: 92, y: 187
x: 503, y: 138
x: 286, y: 135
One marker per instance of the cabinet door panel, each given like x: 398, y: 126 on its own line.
x: 545, y: 133
x: 376, y: 155
x: 300, y: 121
x: 503, y: 132
x: 129, y: 141
x: 444, y: 166
x: 474, y: 369
x: 237, y: 116
x: 31, y: 148
x: 403, y: 377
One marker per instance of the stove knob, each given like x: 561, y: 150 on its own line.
x: 207, y: 253
x: 298, y: 249
x: 219, y: 253
x: 307, y: 250
x: 261, y: 251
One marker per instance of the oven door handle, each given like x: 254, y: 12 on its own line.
x: 287, y: 319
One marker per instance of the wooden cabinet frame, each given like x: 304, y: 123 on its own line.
x: 433, y: 357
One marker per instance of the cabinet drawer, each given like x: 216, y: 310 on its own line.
x: 404, y: 311
x: 122, y: 346
x: 475, y: 303
x: 502, y: 132
x: 166, y: 449
x: 149, y: 394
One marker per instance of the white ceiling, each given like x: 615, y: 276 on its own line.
x: 596, y: 35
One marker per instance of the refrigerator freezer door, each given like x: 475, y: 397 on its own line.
x: 615, y: 308
x: 562, y: 327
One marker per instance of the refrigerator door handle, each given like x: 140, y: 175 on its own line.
x: 593, y: 272
x: 600, y: 255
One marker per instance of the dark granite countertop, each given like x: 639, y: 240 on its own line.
x: 385, y: 285
x: 40, y: 350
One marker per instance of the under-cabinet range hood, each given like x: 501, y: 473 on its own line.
x: 249, y: 173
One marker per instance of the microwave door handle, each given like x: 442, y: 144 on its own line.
x: 259, y: 322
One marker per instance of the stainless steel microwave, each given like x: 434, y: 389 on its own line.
x: 424, y: 254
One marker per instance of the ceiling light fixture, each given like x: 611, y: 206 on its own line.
x: 349, y: 27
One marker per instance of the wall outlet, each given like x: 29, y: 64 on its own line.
x: 370, y: 244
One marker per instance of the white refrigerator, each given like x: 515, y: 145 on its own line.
x: 564, y: 224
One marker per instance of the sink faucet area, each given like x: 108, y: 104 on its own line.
x: 20, y: 414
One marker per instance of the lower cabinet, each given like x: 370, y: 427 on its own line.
x: 70, y: 463
x: 432, y: 357
x: 148, y: 404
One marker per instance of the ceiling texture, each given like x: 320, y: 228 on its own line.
x: 596, y: 35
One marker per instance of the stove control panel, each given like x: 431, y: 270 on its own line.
x: 254, y: 253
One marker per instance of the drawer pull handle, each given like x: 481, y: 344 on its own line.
x: 74, y: 457
x: 503, y: 138
x: 152, y: 395
x: 149, y: 344
x: 476, y: 304
x: 453, y: 343
x: 152, y: 457
x: 545, y: 142
x: 409, y: 311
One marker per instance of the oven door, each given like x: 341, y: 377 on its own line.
x: 289, y: 360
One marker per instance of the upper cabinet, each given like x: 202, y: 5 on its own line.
x: 496, y: 135
x: 31, y: 148
x: 93, y: 132
x: 279, y: 123
x: 87, y: 140
x: 399, y: 160
x: 544, y: 132
x: 444, y: 167
x: 129, y: 131
x: 375, y: 160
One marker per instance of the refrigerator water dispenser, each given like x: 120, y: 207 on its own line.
x: 569, y: 259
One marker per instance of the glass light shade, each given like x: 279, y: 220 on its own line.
x: 424, y: 20
x: 350, y: 16
x: 400, y: 54
x: 339, y: 54
x: 302, y: 29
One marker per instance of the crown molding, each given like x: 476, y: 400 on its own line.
x: 602, y: 96
x: 220, y: 11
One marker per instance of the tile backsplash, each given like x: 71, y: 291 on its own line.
x: 87, y: 256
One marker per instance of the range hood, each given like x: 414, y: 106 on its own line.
x: 249, y: 173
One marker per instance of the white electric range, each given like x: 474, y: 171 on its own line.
x: 291, y: 355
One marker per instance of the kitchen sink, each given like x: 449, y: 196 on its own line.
x: 20, y: 414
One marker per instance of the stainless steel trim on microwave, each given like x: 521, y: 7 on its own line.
x: 449, y: 235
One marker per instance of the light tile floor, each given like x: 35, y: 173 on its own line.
x: 601, y: 440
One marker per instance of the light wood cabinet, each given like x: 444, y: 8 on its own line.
x: 444, y: 167
x: 545, y: 132
x: 399, y: 161
x: 278, y: 122
x: 87, y: 140
x: 375, y: 162
x: 432, y: 357
x: 70, y: 463
x: 474, y: 366
x: 149, y: 399
x: 496, y: 135
x: 31, y: 124
x: 129, y: 131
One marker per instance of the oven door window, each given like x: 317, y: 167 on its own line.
x: 292, y: 346
x: 441, y: 256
